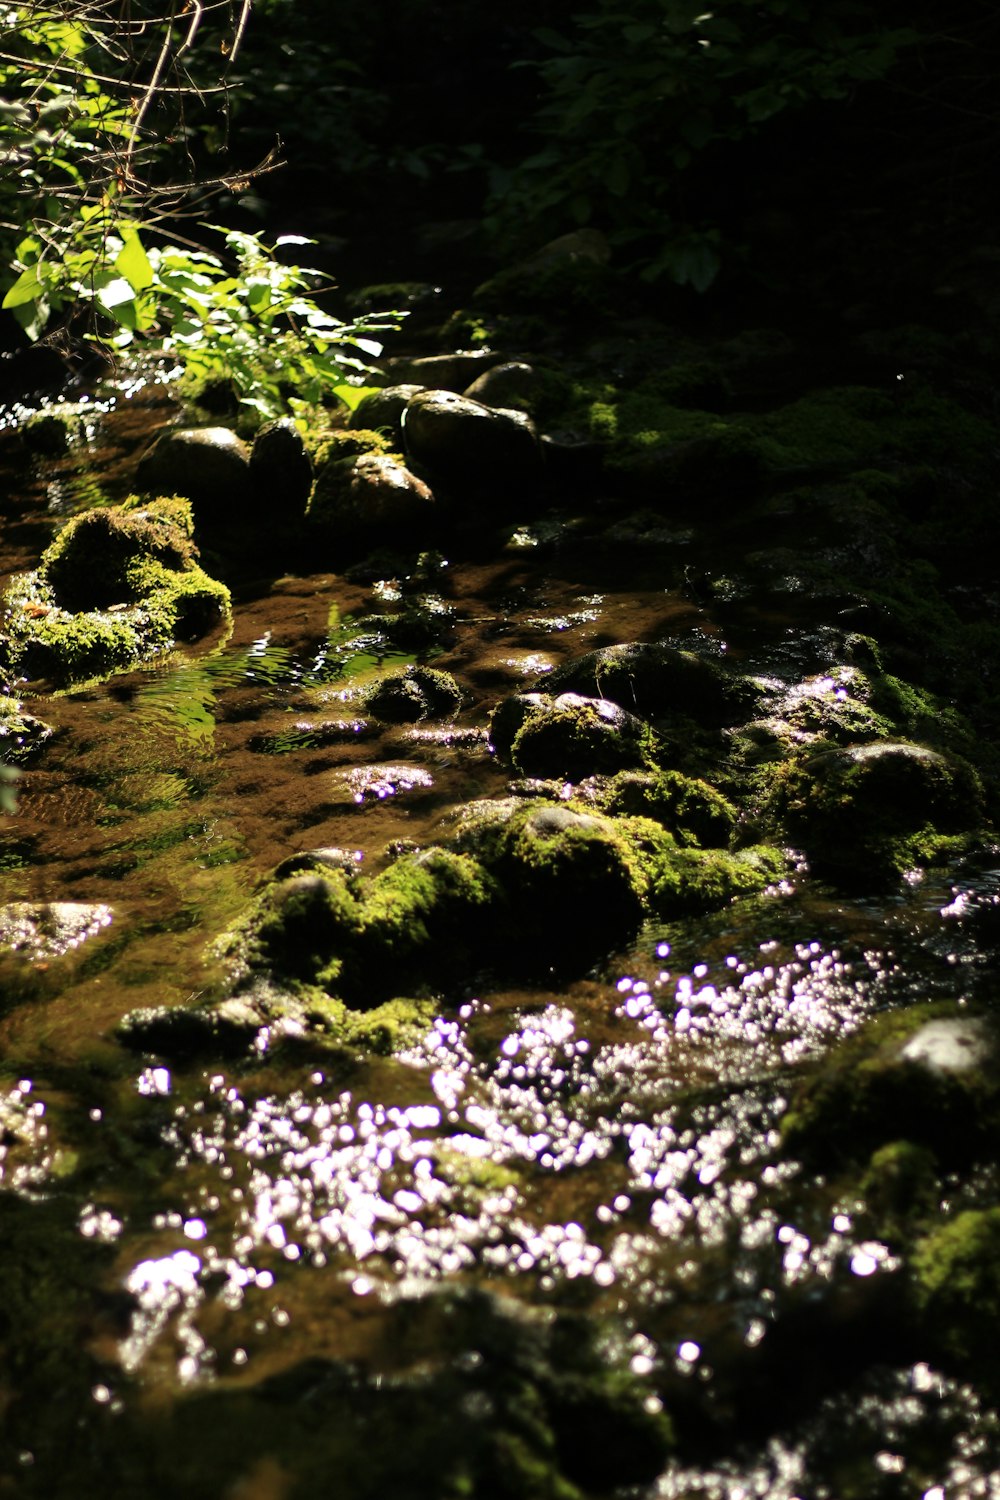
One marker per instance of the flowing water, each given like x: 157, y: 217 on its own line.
x: 609, y: 1146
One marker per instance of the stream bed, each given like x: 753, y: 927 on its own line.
x: 554, y: 1241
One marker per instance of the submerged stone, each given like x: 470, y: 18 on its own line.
x: 417, y: 693
x: 44, y: 930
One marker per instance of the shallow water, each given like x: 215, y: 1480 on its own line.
x: 609, y: 1145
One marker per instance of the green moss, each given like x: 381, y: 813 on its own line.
x: 872, y: 1092
x: 385, y: 1029
x: 682, y: 881
x: 574, y: 737
x: 866, y: 814
x: 115, y: 588
x: 338, y: 446
x: 901, y: 1187
x: 692, y: 810
x: 956, y: 1283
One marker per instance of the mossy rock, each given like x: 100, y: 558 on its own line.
x: 573, y: 884
x: 923, y: 1076
x: 692, y: 810
x: 571, y: 736
x: 414, y: 694
x: 419, y: 923
x: 680, y: 881
x: 955, y: 1279
x: 22, y: 735
x: 901, y: 1187
x: 657, y: 680
x: 115, y: 588
x: 865, y: 814
x: 665, y: 451
x: 385, y: 1029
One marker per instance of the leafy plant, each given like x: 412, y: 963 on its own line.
x: 71, y: 112
x: 634, y: 98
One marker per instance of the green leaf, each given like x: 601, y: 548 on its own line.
x: 133, y: 264
x: 27, y: 288
x: 353, y: 395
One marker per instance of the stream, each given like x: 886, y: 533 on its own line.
x: 299, y: 1271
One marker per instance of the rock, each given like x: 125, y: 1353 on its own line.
x: 117, y: 586
x: 442, y: 372
x: 348, y: 860
x: 375, y: 493
x: 471, y: 448
x: 418, y: 922
x: 42, y: 931
x: 571, y: 736
x: 654, y: 680
x: 210, y: 466
x: 933, y: 1081
x: 692, y: 810
x: 92, y: 563
x: 579, y: 245
x: 572, y: 888
x: 362, y: 785
x: 417, y: 693
x: 504, y: 384
x: 382, y: 410
x: 281, y: 470
x: 955, y: 1274
x: 866, y: 814
x: 21, y: 734
x: 54, y: 430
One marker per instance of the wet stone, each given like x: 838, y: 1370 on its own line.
x: 22, y: 735
x: 418, y: 693
x: 210, y: 466
x: 654, y: 679
x: 348, y: 860
x: 573, y: 736
x: 382, y: 410
x: 470, y: 447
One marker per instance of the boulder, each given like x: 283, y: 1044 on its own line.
x: 210, y: 466
x: 281, y: 470
x: 655, y: 680
x: 470, y: 448
x: 504, y: 385
x: 866, y: 814
x: 116, y: 587
x: 375, y: 493
x: 570, y: 736
x: 417, y: 693
x: 382, y: 411
x: 442, y: 372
